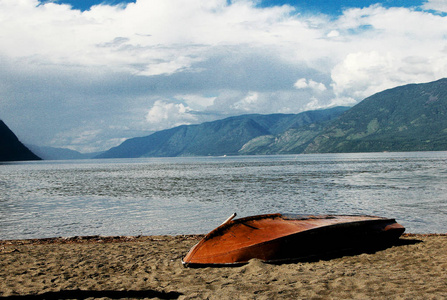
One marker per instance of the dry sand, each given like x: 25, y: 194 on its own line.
x: 150, y: 267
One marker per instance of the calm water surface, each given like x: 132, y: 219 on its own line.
x: 194, y: 195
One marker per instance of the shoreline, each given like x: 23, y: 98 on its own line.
x: 79, y: 239
x: 147, y: 267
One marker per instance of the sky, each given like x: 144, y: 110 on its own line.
x: 87, y: 75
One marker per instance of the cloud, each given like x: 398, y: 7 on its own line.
x: 87, y: 139
x: 148, y: 37
x: 170, y: 114
x: 196, y: 101
x: 303, y: 83
x: 313, y: 104
x: 119, y: 71
x: 249, y: 103
x: 407, y: 47
x: 437, y: 5
x: 333, y: 34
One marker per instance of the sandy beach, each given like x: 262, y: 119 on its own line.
x: 149, y: 267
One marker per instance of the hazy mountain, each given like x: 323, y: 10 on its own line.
x: 222, y: 137
x: 51, y: 153
x: 406, y: 118
x: 11, y: 149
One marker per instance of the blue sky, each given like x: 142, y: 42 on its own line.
x: 336, y: 7
x: 333, y: 7
x: 86, y: 4
x: 88, y: 77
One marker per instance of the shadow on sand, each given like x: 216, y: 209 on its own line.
x: 353, y: 251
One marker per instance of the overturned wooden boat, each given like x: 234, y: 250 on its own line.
x: 281, y: 237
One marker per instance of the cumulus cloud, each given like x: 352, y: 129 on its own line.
x: 154, y: 64
x: 388, y: 53
x: 248, y: 103
x: 303, y: 83
x: 169, y: 114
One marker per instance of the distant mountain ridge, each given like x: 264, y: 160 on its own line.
x: 221, y: 137
x: 11, y: 149
x: 407, y: 118
x: 52, y: 153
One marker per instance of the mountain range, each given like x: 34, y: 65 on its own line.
x: 221, y: 137
x: 407, y: 118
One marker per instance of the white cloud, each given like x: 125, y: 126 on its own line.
x: 341, y: 101
x: 196, y: 101
x: 313, y: 104
x: 438, y: 5
x: 164, y: 115
x: 362, y: 74
x: 333, y: 34
x: 249, y: 103
x: 156, y: 36
x: 388, y: 49
x: 303, y: 83
x: 355, y: 74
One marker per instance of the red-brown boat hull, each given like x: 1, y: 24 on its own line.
x: 276, y: 238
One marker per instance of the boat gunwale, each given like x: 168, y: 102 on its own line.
x: 285, y: 216
x: 218, y: 230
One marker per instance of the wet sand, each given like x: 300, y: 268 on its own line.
x: 149, y: 267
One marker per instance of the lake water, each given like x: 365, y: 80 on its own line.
x: 194, y: 195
